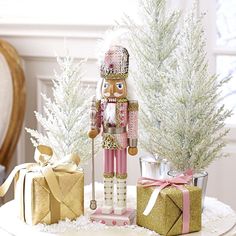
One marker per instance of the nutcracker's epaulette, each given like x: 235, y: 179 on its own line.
x: 133, y: 105
x: 98, y: 104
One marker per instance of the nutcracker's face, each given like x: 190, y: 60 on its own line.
x: 114, y: 88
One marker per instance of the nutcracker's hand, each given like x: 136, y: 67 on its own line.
x: 93, y: 133
x: 132, y: 151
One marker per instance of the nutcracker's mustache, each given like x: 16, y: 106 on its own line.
x: 115, y: 94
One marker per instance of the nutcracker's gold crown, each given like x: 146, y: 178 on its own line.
x: 116, y: 63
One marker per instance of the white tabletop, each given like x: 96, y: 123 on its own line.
x: 217, y: 219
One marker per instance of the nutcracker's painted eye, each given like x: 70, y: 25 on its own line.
x: 105, y: 85
x: 119, y: 85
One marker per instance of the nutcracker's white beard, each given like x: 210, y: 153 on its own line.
x: 110, y: 113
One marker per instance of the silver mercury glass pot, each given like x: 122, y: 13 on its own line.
x: 155, y: 167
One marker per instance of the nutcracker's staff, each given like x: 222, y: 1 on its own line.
x: 93, y: 202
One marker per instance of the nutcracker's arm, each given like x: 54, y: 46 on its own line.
x: 95, y: 118
x: 133, y: 127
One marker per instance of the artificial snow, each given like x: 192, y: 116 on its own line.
x: 213, y: 212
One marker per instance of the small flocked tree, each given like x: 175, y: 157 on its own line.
x: 152, y: 45
x: 66, y: 117
x: 192, y: 120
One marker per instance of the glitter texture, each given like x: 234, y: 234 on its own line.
x: 166, y: 216
x: 36, y: 203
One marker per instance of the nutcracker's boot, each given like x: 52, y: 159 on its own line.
x: 107, y: 207
x: 121, y: 197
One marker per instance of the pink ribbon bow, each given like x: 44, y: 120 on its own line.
x: 177, y: 182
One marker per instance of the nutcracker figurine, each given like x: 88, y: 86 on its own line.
x: 117, y: 118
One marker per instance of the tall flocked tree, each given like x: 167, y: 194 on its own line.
x: 152, y: 45
x: 192, y: 120
x: 66, y: 115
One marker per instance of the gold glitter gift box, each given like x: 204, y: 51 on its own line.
x: 47, y: 191
x: 166, y: 217
x: 36, y: 203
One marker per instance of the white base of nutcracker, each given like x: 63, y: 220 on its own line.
x: 120, y: 210
x: 107, y: 210
x: 112, y: 219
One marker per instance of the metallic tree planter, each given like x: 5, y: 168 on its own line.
x: 154, y: 167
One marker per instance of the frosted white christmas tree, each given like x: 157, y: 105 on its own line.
x: 192, y: 120
x: 66, y: 116
x: 152, y: 45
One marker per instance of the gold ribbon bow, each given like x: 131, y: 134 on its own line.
x: 42, y: 156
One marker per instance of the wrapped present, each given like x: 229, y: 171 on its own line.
x: 169, y: 207
x: 47, y: 192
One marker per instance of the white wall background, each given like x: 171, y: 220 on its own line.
x: 38, y: 34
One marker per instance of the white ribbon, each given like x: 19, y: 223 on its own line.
x: 152, y: 201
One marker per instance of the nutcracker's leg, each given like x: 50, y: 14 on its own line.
x: 121, y: 176
x: 107, y: 207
